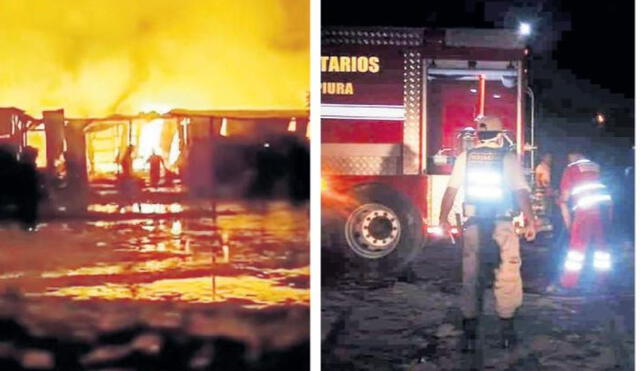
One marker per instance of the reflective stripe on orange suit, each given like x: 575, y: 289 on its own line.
x: 588, y: 223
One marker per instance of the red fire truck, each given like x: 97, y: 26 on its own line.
x: 395, y: 106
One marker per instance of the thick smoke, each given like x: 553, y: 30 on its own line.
x: 95, y: 57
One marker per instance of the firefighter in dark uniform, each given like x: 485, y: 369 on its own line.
x: 491, y: 176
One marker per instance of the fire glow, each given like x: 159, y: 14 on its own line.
x: 95, y: 59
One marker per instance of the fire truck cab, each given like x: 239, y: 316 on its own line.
x: 397, y: 106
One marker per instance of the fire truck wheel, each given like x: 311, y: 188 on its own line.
x: 382, y: 233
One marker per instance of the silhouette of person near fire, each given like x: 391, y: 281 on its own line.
x: 156, y: 166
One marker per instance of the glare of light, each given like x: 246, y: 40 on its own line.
x: 572, y: 266
x: 37, y: 139
x: 583, y: 161
x: 497, y: 96
x: 473, y: 90
x: 139, y: 164
x: 292, y: 125
x: 176, y: 228
x: 602, y: 265
x: 575, y: 256
x: 485, y: 192
x: 601, y: 260
x: 150, y: 136
x: 174, y: 150
x: 485, y: 177
x: 525, y: 29
x: 267, y: 145
x: 155, y: 107
x: 600, y: 119
x: 223, y: 128
x: 601, y: 255
x: 440, y: 159
x: 574, y: 261
x: 175, y: 208
x: 11, y: 275
x: 435, y: 230
x: 586, y: 187
x: 588, y: 201
x: 146, y: 208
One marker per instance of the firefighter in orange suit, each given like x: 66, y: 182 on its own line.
x: 586, y: 210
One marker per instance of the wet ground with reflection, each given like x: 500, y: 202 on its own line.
x: 253, y: 256
x: 202, y: 273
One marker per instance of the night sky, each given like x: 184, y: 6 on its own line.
x: 592, y: 42
x: 602, y: 34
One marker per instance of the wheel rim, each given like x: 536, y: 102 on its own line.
x: 373, y: 231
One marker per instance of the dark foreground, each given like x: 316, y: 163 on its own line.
x: 123, y: 336
x: 163, y: 291
x: 416, y: 325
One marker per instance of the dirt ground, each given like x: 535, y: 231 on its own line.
x: 416, y: 325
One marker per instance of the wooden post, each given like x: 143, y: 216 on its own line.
x: 54, y: 131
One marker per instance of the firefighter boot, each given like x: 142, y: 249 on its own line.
x: 508, y: 333
x: 470, y: 328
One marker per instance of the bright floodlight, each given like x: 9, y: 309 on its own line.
x: 525, y: 29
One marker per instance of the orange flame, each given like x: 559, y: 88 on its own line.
x: 96, y: 58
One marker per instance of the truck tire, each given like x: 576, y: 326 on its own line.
x: 381, y: 232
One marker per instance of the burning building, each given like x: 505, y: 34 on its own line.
x: 196, y: 148
x: 240, y: 67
